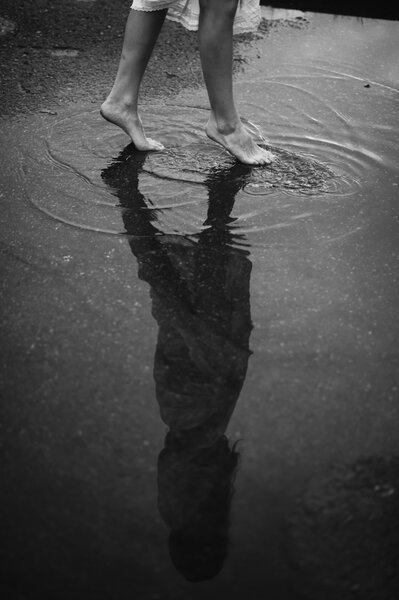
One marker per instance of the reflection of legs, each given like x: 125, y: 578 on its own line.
x: 120, y: 108
x: 216, y: 48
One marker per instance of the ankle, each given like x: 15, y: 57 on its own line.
x: 225, y: 125
x: 122, y: 102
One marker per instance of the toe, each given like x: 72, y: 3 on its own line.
x: 260, y: 160
x: 155, y: 145
x: 269, y: 157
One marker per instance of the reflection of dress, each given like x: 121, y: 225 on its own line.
x: 200, y: 299
x: 186, y: 12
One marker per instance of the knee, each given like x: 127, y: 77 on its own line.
x: 219, y: 8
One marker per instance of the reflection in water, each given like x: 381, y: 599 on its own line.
x: 200, y: 299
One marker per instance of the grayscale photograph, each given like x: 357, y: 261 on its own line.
x: 199, y: 300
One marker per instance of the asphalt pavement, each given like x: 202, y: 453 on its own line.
x: 55, y: 53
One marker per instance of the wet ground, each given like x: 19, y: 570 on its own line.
x: 199, y: 359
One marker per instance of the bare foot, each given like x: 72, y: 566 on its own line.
x: 240, y: 143
x: 130, y: 122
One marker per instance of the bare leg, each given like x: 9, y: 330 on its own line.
x: 216, y: 49
x: 120, y: 108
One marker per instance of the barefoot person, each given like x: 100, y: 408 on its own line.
x: 215, y: 20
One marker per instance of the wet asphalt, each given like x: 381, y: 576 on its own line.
x: 80, y: 447
x: 55, y: 54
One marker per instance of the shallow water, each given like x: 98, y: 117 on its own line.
x: 330, y: 123
x: 260, y: 329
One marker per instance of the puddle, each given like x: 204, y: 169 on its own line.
x: 174, y: 182
x: 289, y: 172
x: 330, y: 124
x: 269, y: 298
x: 361, y: 497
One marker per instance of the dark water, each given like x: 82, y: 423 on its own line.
x: 218, y: 416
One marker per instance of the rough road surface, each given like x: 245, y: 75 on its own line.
x: 56, y: 53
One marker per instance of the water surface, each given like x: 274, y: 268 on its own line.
x: 217, y: 395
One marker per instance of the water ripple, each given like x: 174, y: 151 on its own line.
x: 327, y: 150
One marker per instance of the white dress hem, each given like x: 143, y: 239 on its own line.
x: 186, y: 12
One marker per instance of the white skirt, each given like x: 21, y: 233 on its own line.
x: 186, y: 12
